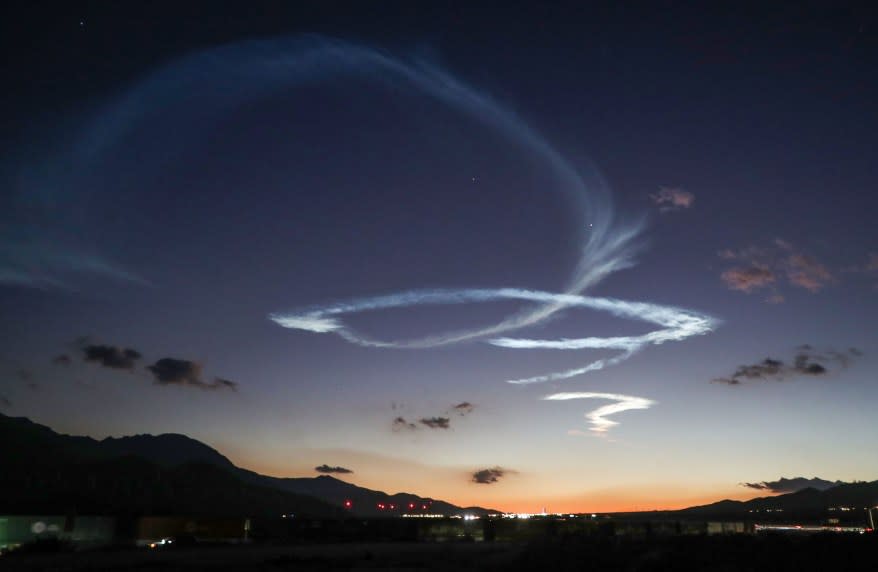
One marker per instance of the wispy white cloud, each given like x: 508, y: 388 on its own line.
x: 598, y: 418
x: 44, y: 265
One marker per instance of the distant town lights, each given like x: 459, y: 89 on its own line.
x: 423, y: 515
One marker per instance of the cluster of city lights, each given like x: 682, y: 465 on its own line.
x: 415, y: 510
x: 811, y: 528
x: 349, y: 504
x: 423, y: 515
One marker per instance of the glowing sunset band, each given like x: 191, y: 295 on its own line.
x: 678, y: 324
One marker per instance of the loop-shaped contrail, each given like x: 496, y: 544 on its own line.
x: 188, y: 94
x: 677, y: 324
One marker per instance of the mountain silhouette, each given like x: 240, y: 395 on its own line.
x: 363, y: 501
x: 45, y: 471
x: 851, y: 495
x: 168, y: 450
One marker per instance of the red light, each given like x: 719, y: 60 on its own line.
x: 392, y: 507
x: 411, y: 505
x: 348, y: 504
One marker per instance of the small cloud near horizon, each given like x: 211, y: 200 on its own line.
x: 436, y: 422
x: 328, y: 470
x: 173, y: 371
x: 62, y: 359
x: 489, y: 476
x: 400, y: 424
x: 464, y: 408
x: 461, y: 409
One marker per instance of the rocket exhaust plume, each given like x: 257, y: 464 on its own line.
x: 210, y: 83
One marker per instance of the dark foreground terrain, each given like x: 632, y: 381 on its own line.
x: 824, y: 552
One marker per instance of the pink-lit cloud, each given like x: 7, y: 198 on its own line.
x: 747, y: 279
x: 868, y: 269
x: 672, y: 199
x: 807, y: 273
x: 871, y: 268
x: 757, y: 268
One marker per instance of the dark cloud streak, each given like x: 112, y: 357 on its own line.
x: 436, y: 422
x: 173, y: 371
x: 111, y: 356
x: 464, y: 408
x: 807, y: 362
x: 328, y: 470
x: 400, y: 424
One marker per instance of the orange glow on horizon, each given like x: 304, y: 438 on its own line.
x: 522, y: 492
x: 465, y: 494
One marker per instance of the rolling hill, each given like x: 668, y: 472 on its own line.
x: 45, y: 471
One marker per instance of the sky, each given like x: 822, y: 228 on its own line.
x: 582, y: 258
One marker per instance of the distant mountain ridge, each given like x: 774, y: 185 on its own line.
x: 167, y: 449
x: 173, y: 472
x: 44, y: 472
x: 22, y: 436
x: 30, y: 450
x: 852, y: 495
x: 363, y: 501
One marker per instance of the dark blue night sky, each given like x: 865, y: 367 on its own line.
x: 305, y: 233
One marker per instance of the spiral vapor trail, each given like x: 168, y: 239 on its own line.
x: 200, y: 88
x: 192, y: 93
x: 677, y: 324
